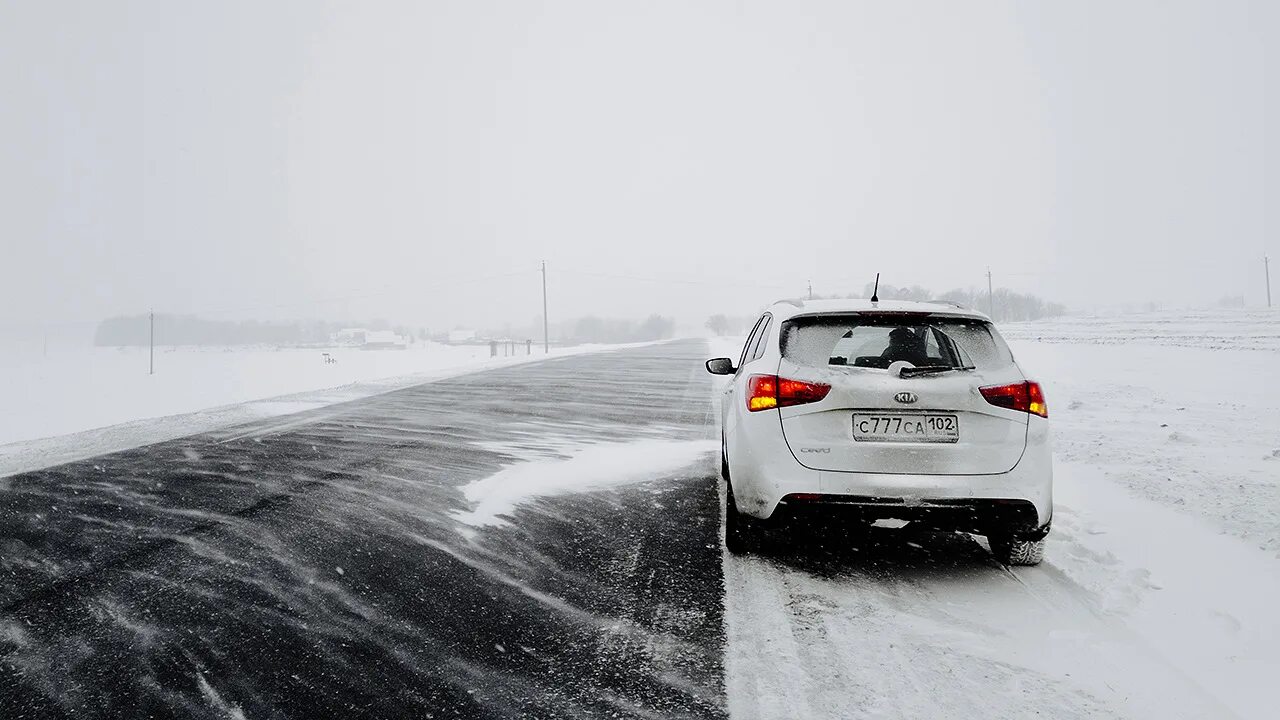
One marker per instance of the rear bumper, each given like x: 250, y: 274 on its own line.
x: 977, y: 515
x: 1023, y: 497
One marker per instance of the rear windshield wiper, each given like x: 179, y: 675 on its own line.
x: 930, y: 370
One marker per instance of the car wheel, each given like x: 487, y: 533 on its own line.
x: 739, y: 532
x: 1011, y: 551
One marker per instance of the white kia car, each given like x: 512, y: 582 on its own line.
x: 879, y: 410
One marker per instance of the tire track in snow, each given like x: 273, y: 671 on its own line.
x: 895, y: 624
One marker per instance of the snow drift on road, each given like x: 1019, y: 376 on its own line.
x: 587, y: 468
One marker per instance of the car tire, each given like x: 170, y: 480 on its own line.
x: 739, y: 532
x: 1012, y: 551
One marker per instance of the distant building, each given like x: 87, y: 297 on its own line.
x: 350, y: 336
x: 457, y: 337
x: 383, y: 340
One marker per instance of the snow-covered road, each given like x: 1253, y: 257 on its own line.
x: 1138, y: 612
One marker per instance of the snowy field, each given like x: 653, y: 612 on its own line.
x: 73, y: 404
x: 1157, y: 597
x: 1253, y: 329
x: 1188, y: 418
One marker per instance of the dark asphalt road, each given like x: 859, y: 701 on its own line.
x: 200, y: 577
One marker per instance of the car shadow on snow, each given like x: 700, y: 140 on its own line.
x: 834, y: 551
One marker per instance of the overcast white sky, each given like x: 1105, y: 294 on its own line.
x: 360, y: 159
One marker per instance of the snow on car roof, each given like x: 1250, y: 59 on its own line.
x: 791, y: 308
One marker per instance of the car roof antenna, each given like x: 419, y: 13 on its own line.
x: 875, y: 293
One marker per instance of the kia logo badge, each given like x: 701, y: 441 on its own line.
x: 906, y: 397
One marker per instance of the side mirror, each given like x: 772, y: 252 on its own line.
x: 721, y: 366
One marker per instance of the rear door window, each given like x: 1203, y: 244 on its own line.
x: 762, y: 339
x: 749, y: 346
x: 876, y: 341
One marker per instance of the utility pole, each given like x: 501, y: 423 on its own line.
x: 1266, y: 266
x: 991, y: 296
x: 152, y: 345
x: 810, y: 289
x: 546, y: 338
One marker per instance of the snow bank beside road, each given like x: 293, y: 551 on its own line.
x: 73, y: 391
x: 1203, y: 601
x: 1190, y: 428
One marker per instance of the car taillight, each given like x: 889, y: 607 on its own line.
x: 1026, y: 397
x: 765, y: 392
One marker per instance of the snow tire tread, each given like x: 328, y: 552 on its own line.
x: 1017, y: 552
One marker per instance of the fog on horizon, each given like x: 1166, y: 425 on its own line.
x: 418, y: 161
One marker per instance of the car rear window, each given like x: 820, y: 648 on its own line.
x: 876, y: 340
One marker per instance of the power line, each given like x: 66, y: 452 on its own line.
x: 673, y: 281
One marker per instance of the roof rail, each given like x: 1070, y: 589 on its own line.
x: 791, y: 302
x: 952, y: 303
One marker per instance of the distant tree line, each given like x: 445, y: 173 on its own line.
x: 589, y: 329
x: 134, y: 330
x: 1005, y: 305
x: 730, y: 324
x: 592, y: 329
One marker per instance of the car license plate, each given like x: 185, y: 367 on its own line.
x: 901, y: 427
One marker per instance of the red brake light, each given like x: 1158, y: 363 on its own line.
x: 798, y: 392
x: 762, y: 392
x: 1027, y: 397
x: 765, y: 392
